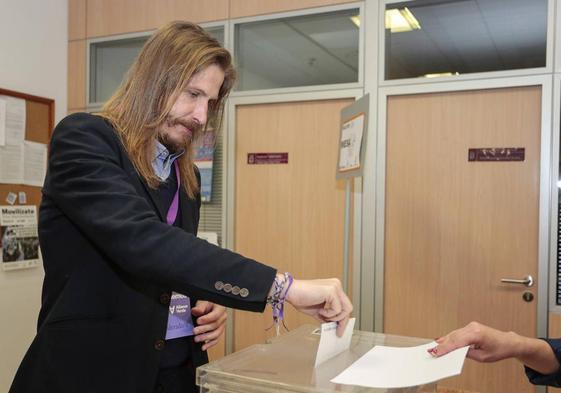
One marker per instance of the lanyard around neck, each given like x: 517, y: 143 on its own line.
x: 172, y: 211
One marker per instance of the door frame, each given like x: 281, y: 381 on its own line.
x: 556, y: 110
x: 229, y: 170
x: 374, y: 182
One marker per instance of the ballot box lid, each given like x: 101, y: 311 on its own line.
x: 286, y: 364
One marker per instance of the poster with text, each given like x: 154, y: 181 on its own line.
x: 351, y: 142
x: 19, y: 239
x: 204, y: 157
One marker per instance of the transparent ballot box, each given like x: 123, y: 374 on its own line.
x: 286, y: 364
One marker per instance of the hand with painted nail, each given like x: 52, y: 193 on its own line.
x: 491, y: 345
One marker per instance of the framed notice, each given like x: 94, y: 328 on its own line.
x: 352, y: 140
x: 19, y: 240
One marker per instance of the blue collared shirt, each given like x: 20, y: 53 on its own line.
x: 163, y: 161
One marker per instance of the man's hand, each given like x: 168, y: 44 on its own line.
x: 323, y: 300
x: 491, y: 345
x: 486, y: 344
x: 211, y: 323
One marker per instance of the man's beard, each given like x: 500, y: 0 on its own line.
x: 176, y: 146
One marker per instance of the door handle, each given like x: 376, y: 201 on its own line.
x: 528, y: 281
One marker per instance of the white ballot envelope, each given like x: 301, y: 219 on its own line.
x: 391, y: 367
x: 329, y: 344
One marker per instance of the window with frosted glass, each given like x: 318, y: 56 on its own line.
x: 110, y: 60
x: 317, y: 49
x: 427, y: 38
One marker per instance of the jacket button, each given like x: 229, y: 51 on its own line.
x: 235, y: 290
x: 165, y: 298
x: 159, y: 345
x: 218, y: 285
x: 244, y: 292
x: 227, y: 288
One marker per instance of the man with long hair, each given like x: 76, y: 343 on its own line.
x: 131, y: 297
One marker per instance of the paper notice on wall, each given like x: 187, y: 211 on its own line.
x: 2, y: 122
x: 11, y: 198
x: 19, y: 240
x: 22, y: 198
x: 351, y: 141
x: 11, y: 164
x: 34, y: 163
x: 15, y: 120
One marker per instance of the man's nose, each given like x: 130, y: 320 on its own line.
x: 201, y: 112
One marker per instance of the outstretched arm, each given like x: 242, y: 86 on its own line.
x: 491, y: 345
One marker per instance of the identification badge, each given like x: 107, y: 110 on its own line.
x: 180, y: 321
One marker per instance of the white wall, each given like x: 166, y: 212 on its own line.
x: 33, y: 48
x: 33, y: 60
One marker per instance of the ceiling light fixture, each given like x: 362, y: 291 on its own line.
x: 437, y: 75
x: 356, y: 20
x: 400, y: 20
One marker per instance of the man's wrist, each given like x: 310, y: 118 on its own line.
x: 519, y: 345
x: 279, y: 277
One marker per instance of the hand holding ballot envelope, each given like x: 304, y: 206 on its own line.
x: 322, y: 299
x: 491, y: 345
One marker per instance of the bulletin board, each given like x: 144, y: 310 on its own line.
x: 18, y: 217
x: 39, y: 124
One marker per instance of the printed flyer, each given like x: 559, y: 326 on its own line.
x: 19, y: 239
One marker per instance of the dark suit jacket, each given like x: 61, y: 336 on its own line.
x: 110, y: 263
x: 552, y: 379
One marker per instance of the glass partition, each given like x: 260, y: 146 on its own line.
x: 307, y: 50
x: 110, y: 60
x: 430, y: 38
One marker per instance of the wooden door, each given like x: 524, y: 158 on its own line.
x: 454, y: 228
x: 289, y: 215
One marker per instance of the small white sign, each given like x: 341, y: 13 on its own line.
x: 11, y: 198
x: 22, y: 196
x: 351, y: 142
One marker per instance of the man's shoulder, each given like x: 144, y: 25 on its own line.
x: 85, y: 125
x: 85, y: 120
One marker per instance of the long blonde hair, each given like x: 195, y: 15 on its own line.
x: 159, y: 74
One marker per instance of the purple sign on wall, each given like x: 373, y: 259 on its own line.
x: 267, y: 158
x: 497, y: 154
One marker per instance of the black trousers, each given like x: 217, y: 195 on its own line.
x: 176, y: 380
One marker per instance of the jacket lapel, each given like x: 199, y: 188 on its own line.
x: 154, y: 197
x: 186, y: 213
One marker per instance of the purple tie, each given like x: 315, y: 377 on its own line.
x: 180, y: 322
